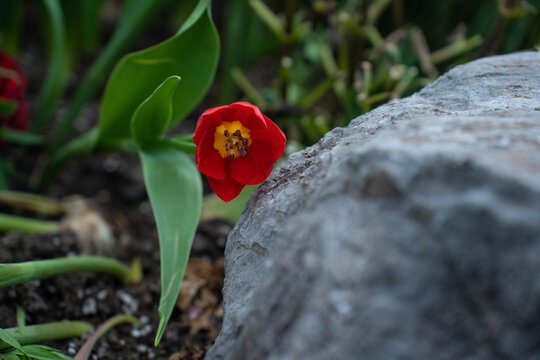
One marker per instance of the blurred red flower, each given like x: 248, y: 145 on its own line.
x: 12, y: 85
x: 236, y: 146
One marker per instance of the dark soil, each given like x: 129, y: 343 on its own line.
x: 113, y: 184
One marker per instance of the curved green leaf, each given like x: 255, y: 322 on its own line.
x: 153, y: 116
x: 192, y: 54
x: 175, y: 190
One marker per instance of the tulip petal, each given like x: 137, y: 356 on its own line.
x: 272, y: 134
x: 256, y: 166
x: 208, y: 159
x: 208, y: 121
x: 227, y: 189
x: 249, y: 115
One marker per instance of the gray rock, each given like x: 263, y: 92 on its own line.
x: 414, y: 233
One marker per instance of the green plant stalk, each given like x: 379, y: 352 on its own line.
x: 457, y: 48
x: 421, y: 48
x: 314, y: 95
x: 21, y: 316
x: 19, y: 273
x: 54, y: 84
x: 405, y: 81
x: 28, y: 226
x: 32, y: 202
x: 375, y: 10
x: 332, y: 70
x: 367, y: 75
x: 34, y: 334
x: 250, y: 91
x: 365, y: 104
x: 270, y: 19
x: 374, y: 36
x: 136, y: 14
x: 86, y: 349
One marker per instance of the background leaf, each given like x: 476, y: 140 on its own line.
x: 7, y: 107
x: 54, y: 85
x: 192, y: 54
x: 135, y: 17
x: 175, y: 191
x: 153, y: 116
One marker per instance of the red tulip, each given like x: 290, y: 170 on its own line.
x: 236, y: 146
x: 12, y: 85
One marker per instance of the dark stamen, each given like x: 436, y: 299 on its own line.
x: 226, y: 133
x: 241, y: 151
x: 245, y: 142
x: 227, y: 145
x: 246, y: 148
x: 231, y: 156
x: 238, y: 133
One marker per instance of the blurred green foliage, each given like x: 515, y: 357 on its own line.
x: 315, y: 65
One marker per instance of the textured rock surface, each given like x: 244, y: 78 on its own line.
x: 414, y: 233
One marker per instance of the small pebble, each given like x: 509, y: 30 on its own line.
x: 102, y: 295
x: 89, y: 307
x: 130, y: 304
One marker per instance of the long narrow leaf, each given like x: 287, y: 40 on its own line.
x: 54, y: 84
x: 175, y: 190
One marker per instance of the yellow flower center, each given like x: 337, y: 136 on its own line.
x: 232, y: 139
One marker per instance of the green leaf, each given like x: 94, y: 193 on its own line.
x: 7, y: 340
x: 136, y: 15
x: 20, y: 137
x: 7, y: 107
x: 153, y: 116
x: 184, y: 143
x: 175, y: 191
x: 192, y: 54
x: 42, y: 352
x: 53, y: 87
